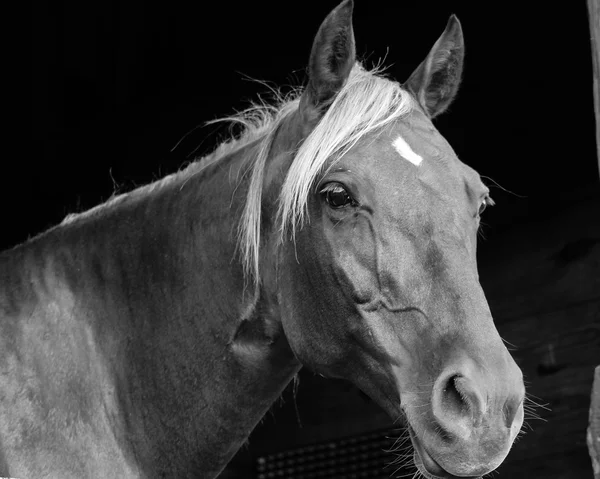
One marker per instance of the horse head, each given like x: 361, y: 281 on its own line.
x: 375, y: 272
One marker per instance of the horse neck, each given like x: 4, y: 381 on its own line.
x: 198, y: 358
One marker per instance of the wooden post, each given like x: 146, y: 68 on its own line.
x: 593, y: 433
x: 594, y: 13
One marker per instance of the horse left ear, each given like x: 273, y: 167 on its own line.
x: 435, y: 82
x: 332, y: 57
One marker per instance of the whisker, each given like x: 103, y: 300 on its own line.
x: 497, y: 185
x: 528, y: 397
x: 514, y: 348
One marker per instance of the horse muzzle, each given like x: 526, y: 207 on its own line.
x: 473, y: 420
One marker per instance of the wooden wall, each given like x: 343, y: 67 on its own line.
x: 543, y: 283
x: 542, y: 279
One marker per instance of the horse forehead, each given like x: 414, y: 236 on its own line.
x: 412, y: 152
x: 408, y: 145
x: 416, y: 140
x: 417, y: 143
x: 416, y: 162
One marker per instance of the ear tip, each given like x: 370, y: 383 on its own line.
x: 347, y: 6
x: 454, y: 30
x: 340, y: 15
x: 453, y: 23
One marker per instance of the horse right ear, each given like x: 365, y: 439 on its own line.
x: 435, y: 82
x: 332, y: 57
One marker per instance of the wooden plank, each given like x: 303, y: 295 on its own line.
x: 557, y: 339
x: 594, y: 14
x: 544, y: 265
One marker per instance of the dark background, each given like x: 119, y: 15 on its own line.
x: 117, y: 85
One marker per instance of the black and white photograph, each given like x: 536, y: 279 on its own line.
x: 332, y: 239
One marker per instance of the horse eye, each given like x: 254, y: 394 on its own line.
x: 484, y: 204
x: 482, y: 208
x: 336, y: 196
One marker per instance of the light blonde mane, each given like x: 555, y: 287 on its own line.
x: 366, y: 103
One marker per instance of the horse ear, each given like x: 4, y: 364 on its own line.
x: 435, y: 82
x: 332, y: 57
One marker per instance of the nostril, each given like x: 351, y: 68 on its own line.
x: 450, y: 408
x: 453, y: 400
x: 456, y: 405
x: 511, y: 408
x: 459, y: 401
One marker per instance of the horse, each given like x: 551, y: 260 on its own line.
x: 149, y: 335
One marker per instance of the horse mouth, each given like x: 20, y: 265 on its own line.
x: 427, y: 465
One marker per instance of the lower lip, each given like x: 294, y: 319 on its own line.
x: 427, y: 465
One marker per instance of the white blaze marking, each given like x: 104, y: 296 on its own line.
x: 406, y: 151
